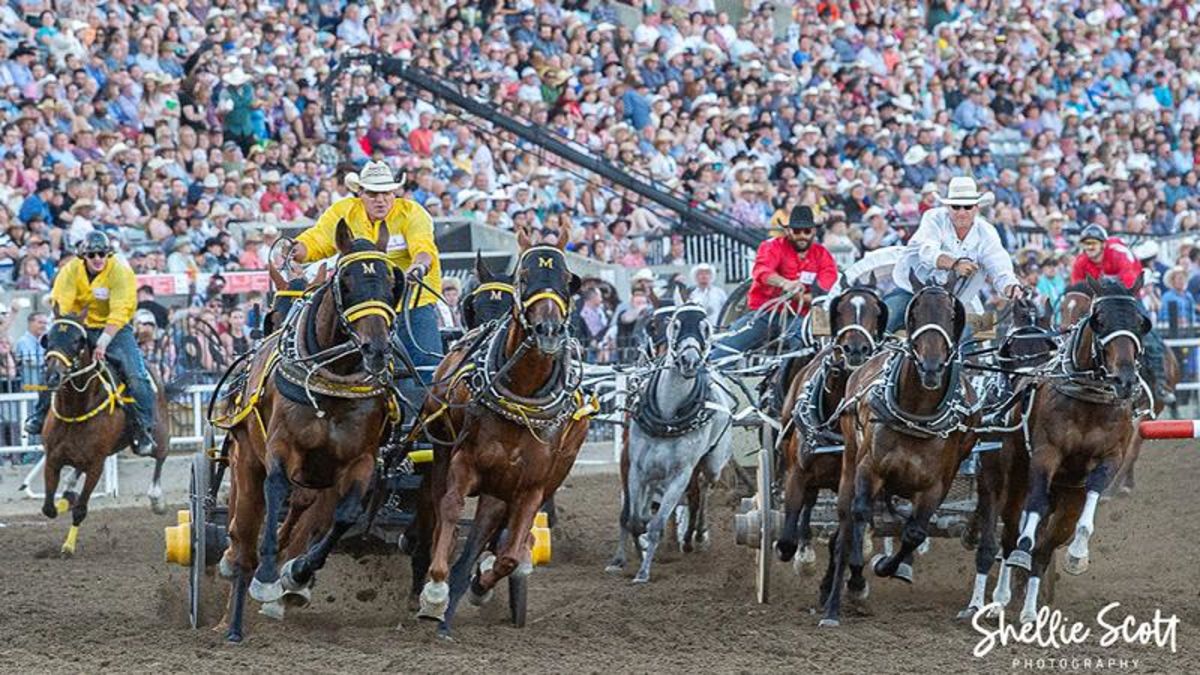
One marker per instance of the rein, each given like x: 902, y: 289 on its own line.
x: 95, y: 370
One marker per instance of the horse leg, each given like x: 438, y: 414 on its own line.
x: 80, y: 508
x: 265, y: 586
x: 515, y: 550
x: 617, y: 563
x: 985, y: 546
x: 654, y: 529
x: 1041, y: 472
x: 793, y: 504
x: 51, y: 473
x: 417, y: 541
x: 297, y: 575
x: 914, y: 534
x: 460, y: 480
x: 839, y: 548
x: 1065, y: 510
x: 244, y: 524
x: 700, y: 538
x: 867, y: 485
x: 1097, y: 480
x: 157, y: 504
x: 489, y: 513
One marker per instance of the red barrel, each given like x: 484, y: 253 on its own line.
x: 1160, y: 429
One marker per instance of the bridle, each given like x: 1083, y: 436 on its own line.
x: 1101, y: 341
x: 701, y: 343
x: 73, y: 371
x: 856, y: 325
x: 554, y: 295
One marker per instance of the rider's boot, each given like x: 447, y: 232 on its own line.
x: 33, y: 425
x: 143, y: 443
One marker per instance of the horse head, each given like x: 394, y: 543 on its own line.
x: 858, y: 318
x: 688, y: 338
x: 1118, y: 324
x: 935, y: 320
x: 544, y: 288
x: 284, y: 295
x: 68, y: 350
x: 367, y: 288
x: 490, y: 297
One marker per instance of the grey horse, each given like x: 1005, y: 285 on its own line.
x: 680, y: 432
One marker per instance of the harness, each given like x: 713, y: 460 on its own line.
x: 1094, y: 385
x: 946, y: 419
x: 809, y: 415
x: 114, y: 391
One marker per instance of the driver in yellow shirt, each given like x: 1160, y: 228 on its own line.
x: 106, y: 287
x: 411, y: 247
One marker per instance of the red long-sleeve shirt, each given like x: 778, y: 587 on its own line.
x: 1117, y: 261
x: 778, y: 256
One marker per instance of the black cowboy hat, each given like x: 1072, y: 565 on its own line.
x: 801, y: 218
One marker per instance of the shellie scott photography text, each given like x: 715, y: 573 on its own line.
x: 1052, y: 630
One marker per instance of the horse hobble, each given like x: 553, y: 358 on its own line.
x: 680, y: 432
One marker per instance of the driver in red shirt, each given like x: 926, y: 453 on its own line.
x: 791, y: 263
x: 1105, y: 256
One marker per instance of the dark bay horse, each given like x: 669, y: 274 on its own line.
x: 335, y: 357
x: 858, y: 322
x: 86, y: 422
x: 1080, y: 426
x: 907, y: 429
x: 506, y: 423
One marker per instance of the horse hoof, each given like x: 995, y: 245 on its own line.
x: 703, y: 541
x: 1075, y: 565
x: 1028, y: 617
x: 615, y: 567
x: 158, y: 506
x: 876, y: 563
x: 226, y: 569
x: 478, y: 599
x: 904, y: 572
x: 967, y: 614
x: 924, y: 547
x: 435, y: 597
x: 1020, y: 559
x: 68, y: 551
x: 995, y: 611
x: 266, y: 591
x: 1125, y: 491
x: 641, y: 578
x: 785, y: 550
x: 273, y: 610
x: 859, y: 593
x: 829, y: 623
x: 233, y: 638
x: 804, y: 564
x: 643, y: 541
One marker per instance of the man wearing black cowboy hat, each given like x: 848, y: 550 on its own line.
x: 793, y: 264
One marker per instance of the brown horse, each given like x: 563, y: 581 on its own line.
x: 858, y: 320
x: 506, y: 424
x: 1080, y: 426
x: 1002, y: 475
x: 335, y: 357
x: 907, y: 429
x: 86, y: 422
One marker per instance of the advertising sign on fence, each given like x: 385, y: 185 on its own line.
x: 235, y: 282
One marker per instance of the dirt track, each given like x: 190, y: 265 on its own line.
x: 118, y: 606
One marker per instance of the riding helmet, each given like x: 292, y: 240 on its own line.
x: 95, y: 242
x: 1093, y: 231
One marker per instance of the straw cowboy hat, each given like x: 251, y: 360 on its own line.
x: 963, y: 191
x: 374, y: 177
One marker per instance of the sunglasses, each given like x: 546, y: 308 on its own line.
x: 960, y: 207
x: 93, y: 255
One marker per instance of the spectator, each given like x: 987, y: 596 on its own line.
x: 707, y: 294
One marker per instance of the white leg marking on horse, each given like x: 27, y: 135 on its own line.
x: 1085, y: 527
x: 980, y: 592
x: 1029, y: 611
x: 1002, y: 593
x: 1030, y: 527
x: 888, y: 547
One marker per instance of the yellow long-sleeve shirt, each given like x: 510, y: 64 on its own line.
x: 110, y: 297
x: 410, y: 232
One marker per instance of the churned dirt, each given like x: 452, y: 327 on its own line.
x: 117, y: 606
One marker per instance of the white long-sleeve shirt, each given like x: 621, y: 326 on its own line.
x: 935, y: 236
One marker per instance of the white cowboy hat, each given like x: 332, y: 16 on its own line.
x: 374, y: 177
x: 702, y: 267
x: 963, y: 191
x: 236, y: 78
x: 643, y: 274
x: 915, y: 155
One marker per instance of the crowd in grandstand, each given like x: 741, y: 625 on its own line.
x: 193, y: 132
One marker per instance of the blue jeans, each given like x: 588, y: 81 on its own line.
x: 122, y: 351
x: 424, y: 345
x: 755, y: 329
x: 1153, y: 353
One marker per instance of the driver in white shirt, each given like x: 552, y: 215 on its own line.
x: 954, y: 239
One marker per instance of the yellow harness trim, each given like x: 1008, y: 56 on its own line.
x: 370, y: 308
x: 289, y: 294
x: 114, y: 397
x: 587, y: 409
x: 252, y: 404
x: 547, y: 295
x: 495, y: 286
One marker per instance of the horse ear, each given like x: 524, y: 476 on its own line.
x: 1137, y: 284
x: 322, y: 274
x: 343, y: 237
x: 381, y: 241
x: 276, y: 277
x: 915, y: 281
x: 1093, y: 285
x: 482, y: 272
x: 575, y: 283
x: 564, y: 234
x: 523, y: 238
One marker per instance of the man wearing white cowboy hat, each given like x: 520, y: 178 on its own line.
x: 411, y: 247
x: 707, y: 294
x: 954, y: 239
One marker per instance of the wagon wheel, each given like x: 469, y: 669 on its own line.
x: 199, y: 520
x: 735, y: 305
x: 766, y: 483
